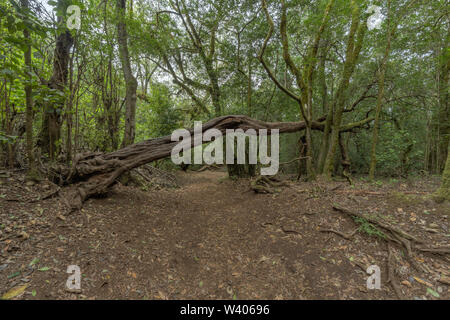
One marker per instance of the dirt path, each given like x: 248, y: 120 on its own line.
x: 214, y: 238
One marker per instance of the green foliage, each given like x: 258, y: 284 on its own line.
x: 7, y: 138
x: 369, y: 228
x: 157, y: 115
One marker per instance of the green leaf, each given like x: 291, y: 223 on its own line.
x: 34, y: 261
x: 44, y: 269
x: 433, y: 293
x: 15, y: 274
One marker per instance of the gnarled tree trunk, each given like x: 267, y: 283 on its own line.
x: 94, y: 173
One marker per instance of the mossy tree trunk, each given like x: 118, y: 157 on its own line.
x: 381, y: 77
x: 443, y: 193
x: 52, y: 122
x: 355, y: 40
x: 130, y: 80
x: 28, y: 99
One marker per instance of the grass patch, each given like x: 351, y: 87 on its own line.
x: 367, y: 227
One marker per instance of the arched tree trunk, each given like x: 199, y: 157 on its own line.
x: 94, y: 173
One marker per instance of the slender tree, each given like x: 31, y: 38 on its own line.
x: 381, y: 77
x: 130, y: 80
x: 28, y: 96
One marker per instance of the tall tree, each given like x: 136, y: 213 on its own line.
x: 52, y: 122
x: 28, y: 95
x: 130, y: 80
x: 354, y: 44
x: 381, y: 77
x: 443, y: 193
x: 303, y: 74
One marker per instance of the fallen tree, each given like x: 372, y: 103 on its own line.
x: 93, y: 173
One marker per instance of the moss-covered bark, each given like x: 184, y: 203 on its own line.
x: 443, y: 193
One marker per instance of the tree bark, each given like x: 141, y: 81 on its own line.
x: 28, y: 98
x: 52, y: 122
x: 357, y: 30
x: 382, y: 73
x: 443, y: 193
x: 130, y: 80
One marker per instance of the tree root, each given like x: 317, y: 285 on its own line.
x: 395, y: 231
x: 391, y: 273
x: 264, y: 184
x: 348, y: 236
x: 207, y: 167
x: 400, y: 237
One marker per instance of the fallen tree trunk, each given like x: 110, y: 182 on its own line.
x: 94, y: 173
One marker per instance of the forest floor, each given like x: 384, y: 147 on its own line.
x: 214, y: 238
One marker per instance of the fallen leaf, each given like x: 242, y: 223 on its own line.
x: 433, y: 293
x: 14, y: 292
x: 423, y: 282
x: 406, y: 283
x: 44, y: 269
x: 15, y: 274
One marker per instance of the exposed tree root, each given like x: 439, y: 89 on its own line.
x: 400, y: 237
x: 207, y: 167
x: 265, y: 184
x: 391, y: 273
x: 392, y: 234
x: 441, y: 251
x: 376, y: 193
x: 348, y: 236
x: 395, y: 231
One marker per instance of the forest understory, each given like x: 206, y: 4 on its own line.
x: 212, y: 237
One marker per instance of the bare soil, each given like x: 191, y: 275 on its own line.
x: 214, y: 238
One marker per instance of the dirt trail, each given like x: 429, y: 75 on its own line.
x: 212, y: 238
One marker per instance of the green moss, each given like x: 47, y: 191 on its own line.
x: 443, y: 193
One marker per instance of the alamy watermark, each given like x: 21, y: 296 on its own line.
x: 213, y: 153
x: 74, y: 17
x: 374, y: 281
x: 74, y: 280
x: 376, y: 19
